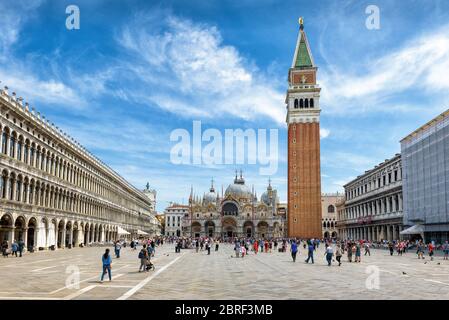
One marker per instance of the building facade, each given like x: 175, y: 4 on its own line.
x: 373, y: 204
x: 425, y: 158
x: 303, y: 121
x: 329, y: 211
x: 174, y: 216
x: 235, y: 213
x: 53, y: 192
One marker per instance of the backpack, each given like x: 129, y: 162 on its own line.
x: 141, y: 256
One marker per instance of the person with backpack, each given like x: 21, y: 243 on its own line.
x: 294, y: 250
x: 21, y: 246
x: 329, y: 253
x: 143, y: 256
x: 107, y: 261
x: 311, y: 249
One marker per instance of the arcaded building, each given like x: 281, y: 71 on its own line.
x: 53, y: 192
x: 236, y: 212
x: 303, y: 121
x: 373, y: 209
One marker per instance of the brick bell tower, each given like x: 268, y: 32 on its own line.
x: 303, y: 121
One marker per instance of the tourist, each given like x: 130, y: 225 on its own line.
x: 266, y: 244
x: 391, y: 247
x: 329, y: 253
x: 349, y: 249
x: 420, y: 250
x: 197, y: 245
x: 256, y: 246
x: 14, y: 248
x: 242, y: 251
x: 106, y: 259
x: 21, y: 246
x: 357, y: 253
x: 446, y: 250
x: 237, y: 248
x: 338, y: 254
x: 143, y: 256
x: 208, y: 247
x: 310, y: 252
x: 294, y: 250
x: 367, y: 249
x: 117, y: 248
x: 202, y: 245
x: 132, y: 244
x: 217, y: 243
x: 431, y: 248
x: 5, y: 248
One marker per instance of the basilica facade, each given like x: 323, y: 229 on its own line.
x: 236, y: 212
x: 56, y: 194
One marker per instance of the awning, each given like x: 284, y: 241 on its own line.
x: 140, y: 232
x: 416, y: 229
x: 120, y: 230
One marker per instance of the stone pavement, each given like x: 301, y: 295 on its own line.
x: 190, y: 275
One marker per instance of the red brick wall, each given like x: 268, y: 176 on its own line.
x: 305, y: 167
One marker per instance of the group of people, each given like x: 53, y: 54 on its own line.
x: 15, y: 250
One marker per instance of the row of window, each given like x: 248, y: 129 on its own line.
x: 384, y: 205
x: 303, y: 103
x: 385, y: 180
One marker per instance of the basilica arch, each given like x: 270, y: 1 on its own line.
x: 229, y: 227
x: 209, y: 228
x: 196, y: 229
x: 248, y: 229
x: 262, y: 229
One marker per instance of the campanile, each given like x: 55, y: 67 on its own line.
x: 303, y: 121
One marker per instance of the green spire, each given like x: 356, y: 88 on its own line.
x: 302, y: 56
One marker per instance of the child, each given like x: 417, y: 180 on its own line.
x: 243, y: 251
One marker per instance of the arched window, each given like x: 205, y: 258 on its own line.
x: 324, y: 224
x: 311, y: 103
x: 25, y: 154
x: 307, y: 103
x: 12, y: 146
x: 4, y: 140
x: 296, y: 103
x: 331, y: 209
x: 31, y: 156
x: 2, y: 186
x: 10, y: 186
x: 301, y: 103
x: 19, y: 150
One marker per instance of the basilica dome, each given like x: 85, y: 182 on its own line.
x: 238, y: 189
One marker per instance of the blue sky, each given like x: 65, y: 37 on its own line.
x: 133, y: 73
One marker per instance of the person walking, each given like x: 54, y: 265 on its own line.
x: 349, y: 250
x: 256, y: 246
x: 107, y: 261
x: 117, y: 249
x: 420, y: 250
x: 294, y: 250
x: 367, y: 249
x: 208, y: 247
x: 217, y: 244
x: 237, y: 248
x: 197, y: 245
x: 242, y: 251
x: 21, y: 245
x: 445, y: 250
x: 143, y: 256
x: 431, y: 248
x: 311, y: 249
x: 357, y: 253
x: 391, y: 247
x: 338, y: 254
x: 14, y: 248
x: 329, y: 253
x: 5, y: 248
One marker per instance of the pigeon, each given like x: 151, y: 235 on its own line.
x: 425, y: 262
x: 438, y: 263
x: 403, y: 272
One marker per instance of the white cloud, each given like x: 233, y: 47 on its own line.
x: 324, y: 133
x: 420, y: 64
x: 188, y: 70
